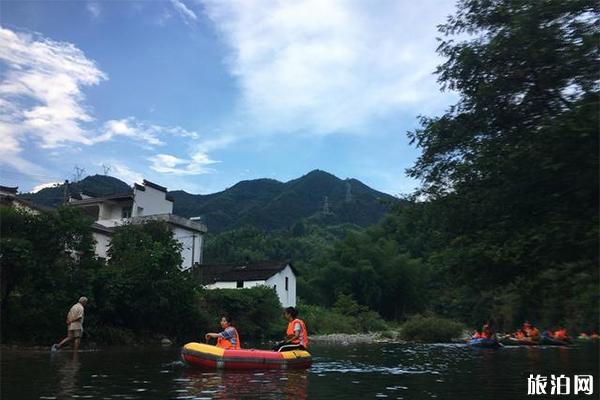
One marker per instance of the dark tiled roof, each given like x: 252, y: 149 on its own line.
x: 9, y: 189
x: 155, y: 186
x: 114, y: 197
x: 260, y: 271
x: 101, y: 228
x: 10, y: 199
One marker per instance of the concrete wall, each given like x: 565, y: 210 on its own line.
x: 286, y: 297
x: 187, y: 239
x: 102, y: 243
x: 233, y: 285
x: 149, y: 202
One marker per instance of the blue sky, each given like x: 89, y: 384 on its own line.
x: 200, y: 94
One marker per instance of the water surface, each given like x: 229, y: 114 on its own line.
x: 394, y: 371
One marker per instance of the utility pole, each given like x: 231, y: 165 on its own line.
x: 66, y: 191
x: 106, y: 169
x: 193, y: 248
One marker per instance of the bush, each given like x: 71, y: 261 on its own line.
x: 110, y: 335
x: 256, y: 312
x: 430, y: 329
x: 321, y: 320
x: 346, y: 316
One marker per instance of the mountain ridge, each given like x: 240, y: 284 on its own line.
x: 269, y: 204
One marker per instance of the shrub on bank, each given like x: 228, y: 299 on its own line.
x: 345, y: 317
x: 256, y: 311
x: 430, y: 329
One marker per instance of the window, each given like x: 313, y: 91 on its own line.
x: 140, y: 211
x: 126, y: 212
x: 239, y: 284
x: 286, y: 283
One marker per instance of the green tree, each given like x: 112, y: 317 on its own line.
x: 147, y: 292
x: 510, y: 172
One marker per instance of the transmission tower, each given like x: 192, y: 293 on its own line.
x: 106, y: 169
x: 78, y: 173
x: 348, y: 192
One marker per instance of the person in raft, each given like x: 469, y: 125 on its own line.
x: 486, y: 332
x: 74, y: 325
x: 531, y: 332
x: 296, y: 334
x: 229, y: 338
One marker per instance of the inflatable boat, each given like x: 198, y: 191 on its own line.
x: 211, y: 357
x: 519, y: 342
x: 484, y: 343
x: 548, y: 341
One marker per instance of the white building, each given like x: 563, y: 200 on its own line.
x: 8, y: 198
x: 279, y: 275
x: 148, y: 201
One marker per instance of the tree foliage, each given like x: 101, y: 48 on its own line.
x: 510, y: 173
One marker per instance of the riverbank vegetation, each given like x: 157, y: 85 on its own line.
x: 504, y: 225
x: 502, y: 228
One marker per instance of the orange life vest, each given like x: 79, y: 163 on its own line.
x: 486, y: 332
x: 561, y: 334
x: 226, y: 344
x: 303, y: 339
x: 532, y: 333
x: 519, y: 335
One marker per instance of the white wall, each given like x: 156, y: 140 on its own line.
x: 102, y: 242
x: 233, y: 285
x: 184, y: 236
x: 109, y: 211
x: 152, y: 201
x: 286, y: 297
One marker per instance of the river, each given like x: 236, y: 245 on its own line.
x: 361, y: 371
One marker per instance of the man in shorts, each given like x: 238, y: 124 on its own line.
x: 74, y: 325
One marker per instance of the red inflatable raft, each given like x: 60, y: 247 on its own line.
x: 207, y: 356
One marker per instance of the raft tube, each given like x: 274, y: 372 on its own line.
x: 213, y: 357
x: 520, y: 342
x: 548, y: 341
x: 484, y: 343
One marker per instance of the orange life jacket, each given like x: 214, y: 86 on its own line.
x: 532, y: 333
x: 561, y: 334
x: 519, y: 335
x: 476, y: 335
x: 303, y: 339
x: 226, y: 343
x: 486, y: 332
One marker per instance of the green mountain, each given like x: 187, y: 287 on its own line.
x: 96, y: 185
x: 318, y: 197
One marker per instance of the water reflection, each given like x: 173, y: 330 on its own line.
x: 68, y: 372
x: 409, y: 371
x: 290, y: 384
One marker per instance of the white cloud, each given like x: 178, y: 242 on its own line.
x: 188, y: 15
x: 42, y: 101
x: 331, y: 66
x: 142, y: 131
x: 93, y: 8
x: 196, y: 165
x: 41, y: 186
x: 41, y: 85
x: 124, y: 173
